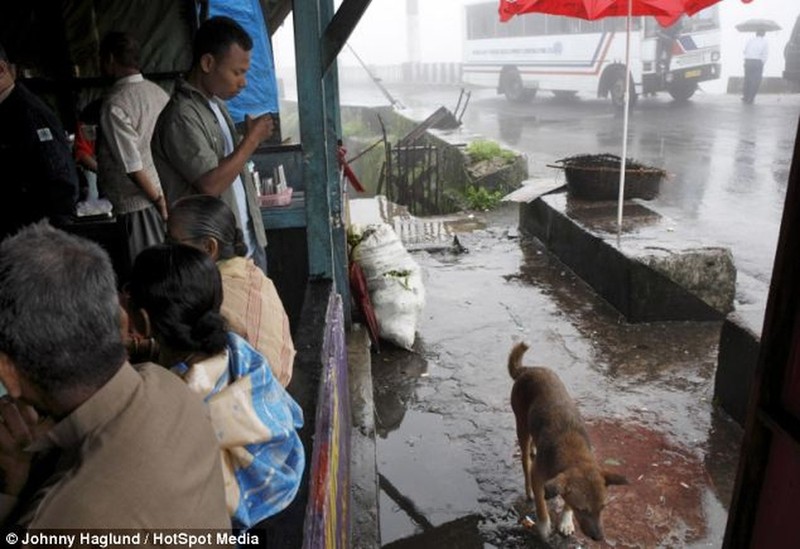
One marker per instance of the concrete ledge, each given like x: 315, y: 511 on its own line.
x: 769, y: 84
x: 739, y: 345
x: 363, y: 456
x: 644, y: 281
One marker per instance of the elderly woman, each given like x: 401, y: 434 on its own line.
x: 250, y: 303
x: 175, y: 296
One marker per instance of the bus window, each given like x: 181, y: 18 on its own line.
x: 562, y: 25
x: 590, y: 27
x: 619, y: 24
x: 481, y: 21
x: 650, y: 27
x: 535, y: 24
x: 513, y: 27
x: 707, y: 19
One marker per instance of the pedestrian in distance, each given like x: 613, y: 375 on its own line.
x: 755, y: 56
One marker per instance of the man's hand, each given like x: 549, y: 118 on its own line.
x: 259, y: 128
x: 161, y: 206
x: 18, y: 427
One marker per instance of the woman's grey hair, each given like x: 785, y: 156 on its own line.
x: 59, y: 309
x: 201, y: 216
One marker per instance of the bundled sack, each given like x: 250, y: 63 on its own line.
x: 394, y: 281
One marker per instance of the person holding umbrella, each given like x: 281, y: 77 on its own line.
x: 755, y: 55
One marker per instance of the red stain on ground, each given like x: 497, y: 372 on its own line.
x: 662, y: 505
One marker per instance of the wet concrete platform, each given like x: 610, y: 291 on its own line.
x: 648, y: 277
x: 363, y: 465
x: 448, y: 470
x: 642, y: 274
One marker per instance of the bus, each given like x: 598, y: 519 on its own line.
x: 567, y: 56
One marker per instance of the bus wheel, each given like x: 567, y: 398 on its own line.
x: 617, y: 91
x: 681, y: 91
x: 512, y: 88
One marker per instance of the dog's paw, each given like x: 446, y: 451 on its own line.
x: 545, y: 528
x: 566, y: 527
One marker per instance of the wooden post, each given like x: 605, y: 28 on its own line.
x: 336, y: 187
x: 313, y: 134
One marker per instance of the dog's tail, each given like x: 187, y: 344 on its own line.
x: 515, y: 359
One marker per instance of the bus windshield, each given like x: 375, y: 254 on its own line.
x: 705, y: 20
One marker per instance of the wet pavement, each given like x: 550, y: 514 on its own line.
x: 728, y: 163
x: 447, y: 448
x: 450, y: 473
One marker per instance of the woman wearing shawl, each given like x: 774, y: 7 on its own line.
x: 175, y: 293
x: 250, y: 303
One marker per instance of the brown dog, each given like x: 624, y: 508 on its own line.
x: 549, y: 424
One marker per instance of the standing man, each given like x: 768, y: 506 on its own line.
x: 755, y: 55
x: 40, y: 179
x: 126, y: 171
x: 195, y: 145
x: 120, y: 448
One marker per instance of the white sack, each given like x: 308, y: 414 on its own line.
x: 394, y: 281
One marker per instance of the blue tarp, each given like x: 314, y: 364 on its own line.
x: 261, y: 93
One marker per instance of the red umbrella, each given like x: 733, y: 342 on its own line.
x: 666, y: 11
x: 588, y: 9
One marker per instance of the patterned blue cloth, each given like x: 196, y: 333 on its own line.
x: 256, y: 422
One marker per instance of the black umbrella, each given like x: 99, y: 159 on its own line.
x: 755, y: 25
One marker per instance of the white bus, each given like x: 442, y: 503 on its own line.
x: 567, y: 55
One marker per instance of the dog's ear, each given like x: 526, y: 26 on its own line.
x: 555, y: 486
x: 614, y: 478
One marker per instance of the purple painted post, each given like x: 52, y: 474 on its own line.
x: 327, y: 522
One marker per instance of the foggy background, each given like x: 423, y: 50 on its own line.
x: 381, y: 38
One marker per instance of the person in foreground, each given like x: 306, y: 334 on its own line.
x: 176, y: 290
x: 250, y: 302
x: 121, y: 448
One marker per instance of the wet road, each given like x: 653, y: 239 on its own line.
x: 450, y: 471
x: 728, y: 162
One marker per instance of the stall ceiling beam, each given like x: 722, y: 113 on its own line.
x: 339, y: 29
x: 276, y: 13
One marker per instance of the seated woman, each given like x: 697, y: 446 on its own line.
x: 250, y: 303
x: 175, y: 295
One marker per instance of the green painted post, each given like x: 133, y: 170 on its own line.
x: 334, y: 132
x: 313, y: 133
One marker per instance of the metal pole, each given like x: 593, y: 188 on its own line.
x: 625, y: 121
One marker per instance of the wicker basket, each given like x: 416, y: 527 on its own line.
x: 596, y: 177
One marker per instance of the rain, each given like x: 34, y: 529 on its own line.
x: 448, y: 464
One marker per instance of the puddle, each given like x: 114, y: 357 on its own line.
x: 410, y: 462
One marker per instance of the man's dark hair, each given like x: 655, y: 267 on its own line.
x: 216, y: 35
x: 3, y: 54
x: 124, y: 47
x: 181, y: 289
x: 59, y: 310
x: 202, y: 215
